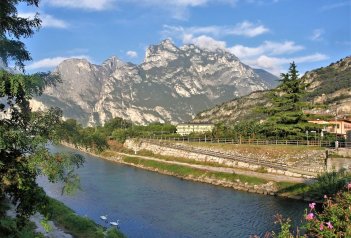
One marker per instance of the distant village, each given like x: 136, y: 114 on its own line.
x: 339, y: 127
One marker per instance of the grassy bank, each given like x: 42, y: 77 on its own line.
x: 77, y: 226
x: 112, y: 153
x: 62, y: 216
x: 184, y: 171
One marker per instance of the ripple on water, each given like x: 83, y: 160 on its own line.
x: 153, y: 205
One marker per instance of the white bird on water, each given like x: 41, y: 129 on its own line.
x: 115, y: 223
x: 103, y: 217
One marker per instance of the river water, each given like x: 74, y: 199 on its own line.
x: 149, y: 204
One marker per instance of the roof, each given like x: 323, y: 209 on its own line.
x: 196, y: 123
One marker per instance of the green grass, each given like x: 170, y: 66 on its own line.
x: 185, y: 171
x: 179, y: 159
x: 8, y: 225
x: 76, y: 225
x: 295, y: 189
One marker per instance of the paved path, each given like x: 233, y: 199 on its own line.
x: 267, y: 176
x: 55, y: 232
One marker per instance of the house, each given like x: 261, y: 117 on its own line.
x: 348, y: 136
x: 187, y: 128
x: 339, y: 127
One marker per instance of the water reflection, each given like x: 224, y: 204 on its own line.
x: 153, y: 205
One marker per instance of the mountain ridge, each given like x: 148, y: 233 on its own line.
x: 329, y: 91
x: 172, y: 84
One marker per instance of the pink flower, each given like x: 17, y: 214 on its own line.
x: 321, y: 226
x: 311, y: 205
x: 348, y: 186
x: 330, y: 226
x: 309, y: 216
x: 325, y: 196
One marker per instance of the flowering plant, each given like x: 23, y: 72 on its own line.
x: 335, y: 218
x: 333, y: 221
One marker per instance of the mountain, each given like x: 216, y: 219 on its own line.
x: 172, y: 84
x: 270, y: 79
x: 329, y: 90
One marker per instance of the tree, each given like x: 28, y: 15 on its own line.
x: 285, y: 116
x: 24, y: 134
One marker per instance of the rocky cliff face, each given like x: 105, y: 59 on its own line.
x: 329, y: 90
x: 172, y: 84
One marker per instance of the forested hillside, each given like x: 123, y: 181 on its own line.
x: 328, y: 89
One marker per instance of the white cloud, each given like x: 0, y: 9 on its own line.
x: 47, y: 20
x: 49, y: 63
x: 132, y: 54
x: 245, y: 28
x: 267, y: 47
x: 207, y: 42
x: 275, y: 64
x: 335, y: 5
x: 248, y: 29
x: 317, y: 35
x: 263, y: 56
x: 95, y: 5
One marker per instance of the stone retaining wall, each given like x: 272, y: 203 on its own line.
x: 138, y: 145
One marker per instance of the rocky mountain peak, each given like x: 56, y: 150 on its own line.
x: 172, y: 84
x: 113, y: 63
x: 167, y: 44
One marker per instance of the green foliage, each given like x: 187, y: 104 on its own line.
x: 285, y: 116
x: 120, y: 135
x: 76, y: 225
x: 24, y: 134
x: 285, y: 227
x: 334, y: 220
x: 117, y: 129
x: 89, y: 137
x: 329, y: 184
x: 333, y: 78
x: 12, y: 28
x: 9, y: 229
x: 184, y: 171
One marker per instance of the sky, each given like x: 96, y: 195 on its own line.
x: 267, y: 34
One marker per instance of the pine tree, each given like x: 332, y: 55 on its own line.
x: 286, y: 117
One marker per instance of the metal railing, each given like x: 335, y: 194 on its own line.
x: 234, y: 157
x: 317, y: 143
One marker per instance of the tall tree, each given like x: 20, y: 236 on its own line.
x: 24, y: 134
x: 286, y: 117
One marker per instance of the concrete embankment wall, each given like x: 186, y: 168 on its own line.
x: 341, y: 159
x: 137, y: 145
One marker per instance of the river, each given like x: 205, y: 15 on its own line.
x: 152, y: 205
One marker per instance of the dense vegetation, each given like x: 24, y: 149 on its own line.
x: 76, y: 225
x: 333, y: 218
x: 24, y: 134
x: 116, y: 128
x: 284, y: 117
x: 333, y: 78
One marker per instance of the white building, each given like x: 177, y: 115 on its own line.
x: 187, y: 128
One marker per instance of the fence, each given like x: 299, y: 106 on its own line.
x: 317, y: 143
x: 226, y: 155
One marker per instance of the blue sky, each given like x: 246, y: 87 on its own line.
x: 264, y: 34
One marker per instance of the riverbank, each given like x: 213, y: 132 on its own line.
x: 62, y: 222
x: 215, y: 175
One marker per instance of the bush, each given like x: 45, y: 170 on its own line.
x: 329, y: 184
x: 334, y: 220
